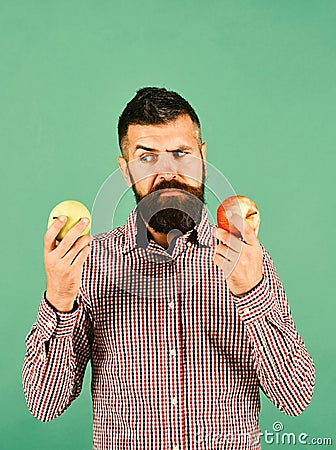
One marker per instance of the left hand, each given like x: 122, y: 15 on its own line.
x: 240, y: 258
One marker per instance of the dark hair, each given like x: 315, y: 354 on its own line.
x: 154, y: 106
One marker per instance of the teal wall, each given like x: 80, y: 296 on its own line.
x: 261, y: 75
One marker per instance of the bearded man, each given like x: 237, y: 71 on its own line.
x: 179, y: 348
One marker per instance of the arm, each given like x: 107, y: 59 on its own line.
x: 58, y: 349
x: 284, y: 367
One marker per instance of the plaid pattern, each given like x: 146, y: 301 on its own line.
x: 177, y: 360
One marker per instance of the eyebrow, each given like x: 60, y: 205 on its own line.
x: 148, y: 149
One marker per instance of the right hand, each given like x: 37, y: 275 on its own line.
x: 63, y: 262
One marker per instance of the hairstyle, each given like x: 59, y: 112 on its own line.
x: 154, y: 106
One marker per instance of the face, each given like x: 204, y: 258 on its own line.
x: 165, y: 168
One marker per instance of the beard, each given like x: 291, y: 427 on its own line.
x: 180, y: 211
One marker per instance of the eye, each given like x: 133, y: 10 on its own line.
x: 148, y: 158
x: 179, y: 154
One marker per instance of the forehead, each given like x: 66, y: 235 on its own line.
x: 181, y: 131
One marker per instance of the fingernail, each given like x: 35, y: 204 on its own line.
x: 228, y: 214
x: 62, y: 218
x: 85, y: 221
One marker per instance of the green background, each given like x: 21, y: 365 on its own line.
x: 261, y: 75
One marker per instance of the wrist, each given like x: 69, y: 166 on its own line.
x: 247, y: 291
x: 60, y: 306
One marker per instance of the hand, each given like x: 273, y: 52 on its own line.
x: 63, y: 263
x: 239, y: 255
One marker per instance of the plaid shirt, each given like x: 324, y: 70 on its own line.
x: 177, y: 360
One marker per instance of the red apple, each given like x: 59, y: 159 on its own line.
x: 241, y: 205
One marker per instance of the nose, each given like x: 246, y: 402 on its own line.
x: 167, y: 169
x: 167, y: 176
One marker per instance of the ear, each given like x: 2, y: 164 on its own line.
x: 203, y: 150
x: 203, y: 153
x: 124, y: 170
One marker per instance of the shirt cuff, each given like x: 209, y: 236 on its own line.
x: 53, y: 323
x: 256, y: 303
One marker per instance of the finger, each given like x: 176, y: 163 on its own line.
x: 81, y: 243
x: 247, y: 232
x: 72, y: 235
x: 81, y: 256
x: 52, y: 232
x: 228, y: 239
x: 227, y: 253
x: 236, y: 221
x: 223, y: 250
x: 230, y: 227
x: 225, y: 265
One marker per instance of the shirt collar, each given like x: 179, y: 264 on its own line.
x: 136, y: 233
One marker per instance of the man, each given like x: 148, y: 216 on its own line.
x: 178, y: 347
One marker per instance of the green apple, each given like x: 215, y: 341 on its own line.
x: 74, y: 211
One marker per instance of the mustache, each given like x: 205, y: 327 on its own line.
x: 173, y: 184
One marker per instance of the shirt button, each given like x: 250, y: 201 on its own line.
x: 50, y: 324
x: 246, y: 310
x: 42, y: 357
x: 174, y: 401
x: 172, y: 352
x: 261, y: 348
x: 176, y: 447
x: 188, y: 244
x: 171, y: 305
